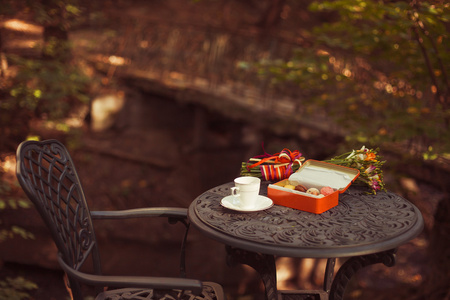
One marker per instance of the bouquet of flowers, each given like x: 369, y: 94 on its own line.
x: 369, y: 164
x: 273, y: 167
x: 279, y: 166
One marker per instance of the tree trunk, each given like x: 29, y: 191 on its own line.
x: 56, y: 44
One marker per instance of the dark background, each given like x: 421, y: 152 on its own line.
x: 170, y: 116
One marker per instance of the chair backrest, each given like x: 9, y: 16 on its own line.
x: 47, y: 174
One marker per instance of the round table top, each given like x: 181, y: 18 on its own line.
x: 361, y: 224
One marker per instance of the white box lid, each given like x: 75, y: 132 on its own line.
x: 318, y: 174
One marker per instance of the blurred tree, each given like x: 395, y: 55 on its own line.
x: 388, y: 62
x: 49, y: 86
x: 45, y: 87
x: 379, y: 68
x: 271, y: 15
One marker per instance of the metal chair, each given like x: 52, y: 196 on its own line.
x: 47, y: 174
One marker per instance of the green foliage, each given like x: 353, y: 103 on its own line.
x: 10, y: 200
x: 13, y: 288
x: 63, y: 14
x: 15, y: 231
x: 378, y: 68
x: 44, y: 87
x: 47, y: 87
x: 16, y: 288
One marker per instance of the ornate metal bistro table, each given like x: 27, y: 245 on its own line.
x: 366, y: 229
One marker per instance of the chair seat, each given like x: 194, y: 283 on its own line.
x: 211, y: 291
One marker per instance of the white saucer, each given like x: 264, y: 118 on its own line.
x: 231, y: 202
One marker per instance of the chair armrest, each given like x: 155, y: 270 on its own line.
x: 169, y: 212
x: 174, y: 215
x: 193, y: 285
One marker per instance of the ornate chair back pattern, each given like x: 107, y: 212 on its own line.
x: 47, y: 174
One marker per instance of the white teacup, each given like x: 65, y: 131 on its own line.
x: 246, y: 188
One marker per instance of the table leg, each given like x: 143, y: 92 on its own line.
x: 264, y: 264
x: 353, y: 265
x: 329, y: 272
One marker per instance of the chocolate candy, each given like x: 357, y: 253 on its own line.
x: 300, y: 188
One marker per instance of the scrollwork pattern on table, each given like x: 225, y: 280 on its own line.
x: 359, y: 217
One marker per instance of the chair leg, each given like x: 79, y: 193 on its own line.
x: 67, y: 285
x: 329, y: 272
x: 183, y: 253
x: 183, y: 244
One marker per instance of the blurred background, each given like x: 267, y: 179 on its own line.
x: 161, y: 100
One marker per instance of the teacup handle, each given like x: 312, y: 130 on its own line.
x: 235, y: 191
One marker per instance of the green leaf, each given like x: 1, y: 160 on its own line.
x: 24, y: 203
x: 12, y: 203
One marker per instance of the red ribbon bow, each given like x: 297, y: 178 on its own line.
x: 284, y: 158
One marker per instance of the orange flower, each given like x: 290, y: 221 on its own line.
x: 371, y: 156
